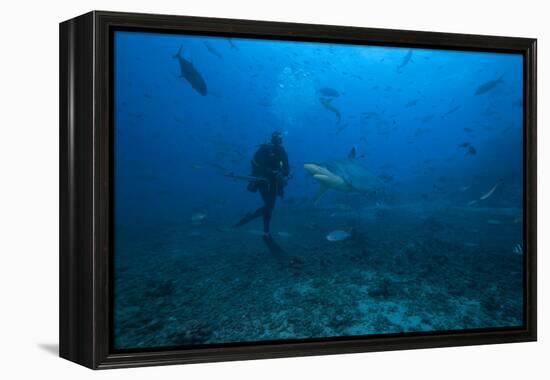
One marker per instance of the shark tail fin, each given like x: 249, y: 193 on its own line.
x: 322, y: 189
x: 178, y: 54
x: 352, y: 153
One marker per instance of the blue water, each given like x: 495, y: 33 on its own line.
x: 436, y: 247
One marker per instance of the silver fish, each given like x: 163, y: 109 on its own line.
x: 338, y: 235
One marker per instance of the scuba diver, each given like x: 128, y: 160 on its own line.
x: 269, y: 176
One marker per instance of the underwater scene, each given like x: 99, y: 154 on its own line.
x: 270, y: 190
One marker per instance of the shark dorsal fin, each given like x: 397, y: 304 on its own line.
x: 352, y: 153
x: 178, y: 54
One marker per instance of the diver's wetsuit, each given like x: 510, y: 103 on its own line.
x: 270, y: 162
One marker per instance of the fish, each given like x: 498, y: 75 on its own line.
x: 190, y: 74
x: 327, y: 103
x: 471, y: 151
x: 198, y: 217
x: 489, y: 193
x: 427, y: 118
x: 412, y: 103
x: 337, y: 235
x: 494, y: 221
x: 468, y: 130
x: 344, y: 175
x: 406, y: 60
x: 232, y: 44
x: 518, y: 249
x: 330, y: 92
x: 212, y: 50
x: 451, y: 111
x: 488, y: 86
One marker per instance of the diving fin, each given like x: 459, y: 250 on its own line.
x: 245, y: 219
x: 273, y: 247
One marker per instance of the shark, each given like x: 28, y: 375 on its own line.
x: 345, y: 175
x: 190, y: 73
x: 489, y: 86
x: 406, y: 60
x: 327, y: 103
x: 212, y: 50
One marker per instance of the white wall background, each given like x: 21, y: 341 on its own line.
x: 29, y: 187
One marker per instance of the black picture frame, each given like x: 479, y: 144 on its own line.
x: 86, y: 187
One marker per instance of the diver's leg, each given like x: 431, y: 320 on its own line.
x: 253, y: 215
x: 269, y: 199
x: 250, y: 217
x: 269, y: 203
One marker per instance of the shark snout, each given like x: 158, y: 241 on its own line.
x: 325, y: 177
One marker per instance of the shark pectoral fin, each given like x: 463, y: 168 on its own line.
x: 328, y: 180
x: 322, y: 189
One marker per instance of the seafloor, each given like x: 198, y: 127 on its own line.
x: 402, y: 270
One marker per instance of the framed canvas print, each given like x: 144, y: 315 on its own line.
x: 236, y: 189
